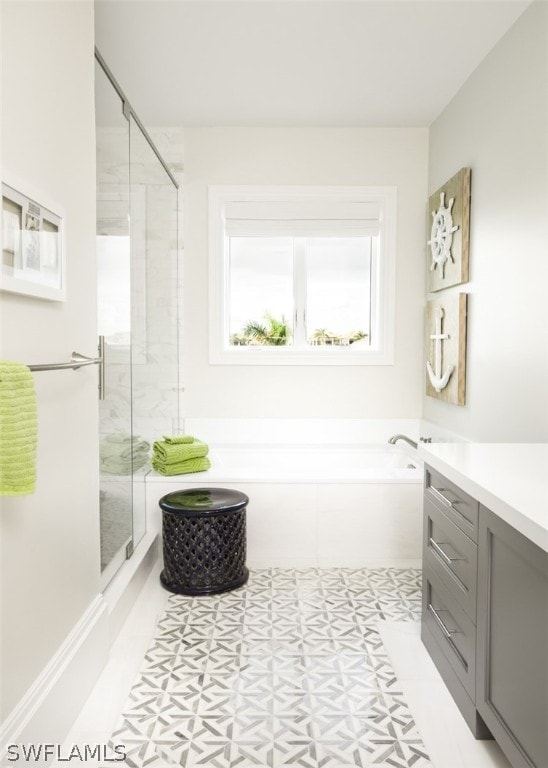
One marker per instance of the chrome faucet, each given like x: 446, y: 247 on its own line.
x: 393, y: 440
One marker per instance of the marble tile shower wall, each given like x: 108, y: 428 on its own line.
x: 151, y: 388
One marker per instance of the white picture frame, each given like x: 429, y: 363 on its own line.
x: 33, y: 242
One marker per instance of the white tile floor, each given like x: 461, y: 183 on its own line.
x: 446, y: 737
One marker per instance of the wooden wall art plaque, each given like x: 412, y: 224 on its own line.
x: 449, y: 233
x: 445, y: 346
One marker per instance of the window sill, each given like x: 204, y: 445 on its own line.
x: 273, y: 356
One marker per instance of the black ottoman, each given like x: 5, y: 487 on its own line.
x: 204, y: 540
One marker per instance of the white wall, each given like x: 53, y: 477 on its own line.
x: 497, y: 124
x: 50, y: 540
x: 305, y: 156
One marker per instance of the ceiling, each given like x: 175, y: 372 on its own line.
x: 296, y: 62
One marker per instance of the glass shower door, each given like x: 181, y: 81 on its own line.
x: 154, y: 320
x: 116, y: 441
x: 138, y: 284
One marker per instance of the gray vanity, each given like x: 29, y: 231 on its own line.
x: 485, y: 589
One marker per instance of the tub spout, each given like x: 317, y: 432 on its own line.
x: 394, y: 439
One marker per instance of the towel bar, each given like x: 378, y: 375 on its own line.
x: 77, y: 361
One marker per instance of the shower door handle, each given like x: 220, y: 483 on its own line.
x: 101, y: 349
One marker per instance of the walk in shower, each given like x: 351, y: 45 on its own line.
x: 137, y: 310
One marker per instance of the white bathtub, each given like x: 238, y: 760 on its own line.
x: 325, y: 506
x: 313, y: 463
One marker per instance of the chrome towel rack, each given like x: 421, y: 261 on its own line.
x: 77, y: 361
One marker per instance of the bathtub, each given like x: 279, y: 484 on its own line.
x: 312, y: 464
x: 311, y: 505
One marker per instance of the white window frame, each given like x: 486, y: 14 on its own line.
x: 380, y: 351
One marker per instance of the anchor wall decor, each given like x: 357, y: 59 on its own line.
x: 449, y: 233
x: 445, y: 344
x: 438, y: 379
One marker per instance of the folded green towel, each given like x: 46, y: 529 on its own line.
x: 200, y: 464
x: 115, y: 468
x: 136, y: 451
x: 119, y: 466
x: 176, y: 439
x: 118, y: 447
x: 121, y: 454
x: 18, y: 429
x: 167, y: 453
x: 120, y: 438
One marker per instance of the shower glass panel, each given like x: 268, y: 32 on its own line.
x: 114, y: 325
x: 137, y: 276
x: 153, y: 209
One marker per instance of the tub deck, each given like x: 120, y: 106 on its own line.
x: 307, y: 464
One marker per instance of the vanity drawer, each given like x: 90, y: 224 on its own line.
x: 459, y: 507
x: 452, y: 629
x: 452, y: 555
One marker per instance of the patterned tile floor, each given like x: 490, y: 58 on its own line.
x: 289, y: 670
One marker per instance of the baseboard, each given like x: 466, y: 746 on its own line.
x: 353, y: 562
x: 46, y: 712
x: 121, y: 594
x: 326, y: 562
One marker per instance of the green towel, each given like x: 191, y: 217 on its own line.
x: 166, y: 453
x: 136, y: 451
x: 199, y: 464
x: 114, y: 467
x: 120, y: 454
x: 112, y: 447
x: 18, y: 429
x: 121, y: 439
x: 119, y: 466
x: 176, y: 439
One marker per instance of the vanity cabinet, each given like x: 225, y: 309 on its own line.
x: 512, y: 641
x: 485, y: 620
x: 450, y: 557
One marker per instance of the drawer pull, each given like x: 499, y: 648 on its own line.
x: 447, y: 632
x: 441, y: 493
x: 444, y: 556
x: 453, y: 504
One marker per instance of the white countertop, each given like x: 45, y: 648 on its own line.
x: 510, y: 479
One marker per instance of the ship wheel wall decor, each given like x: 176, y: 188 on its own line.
x: 448, y: 233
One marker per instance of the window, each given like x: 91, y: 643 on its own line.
x: 302, y: 275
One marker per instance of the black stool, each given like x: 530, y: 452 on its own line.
x: 204, y: 540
